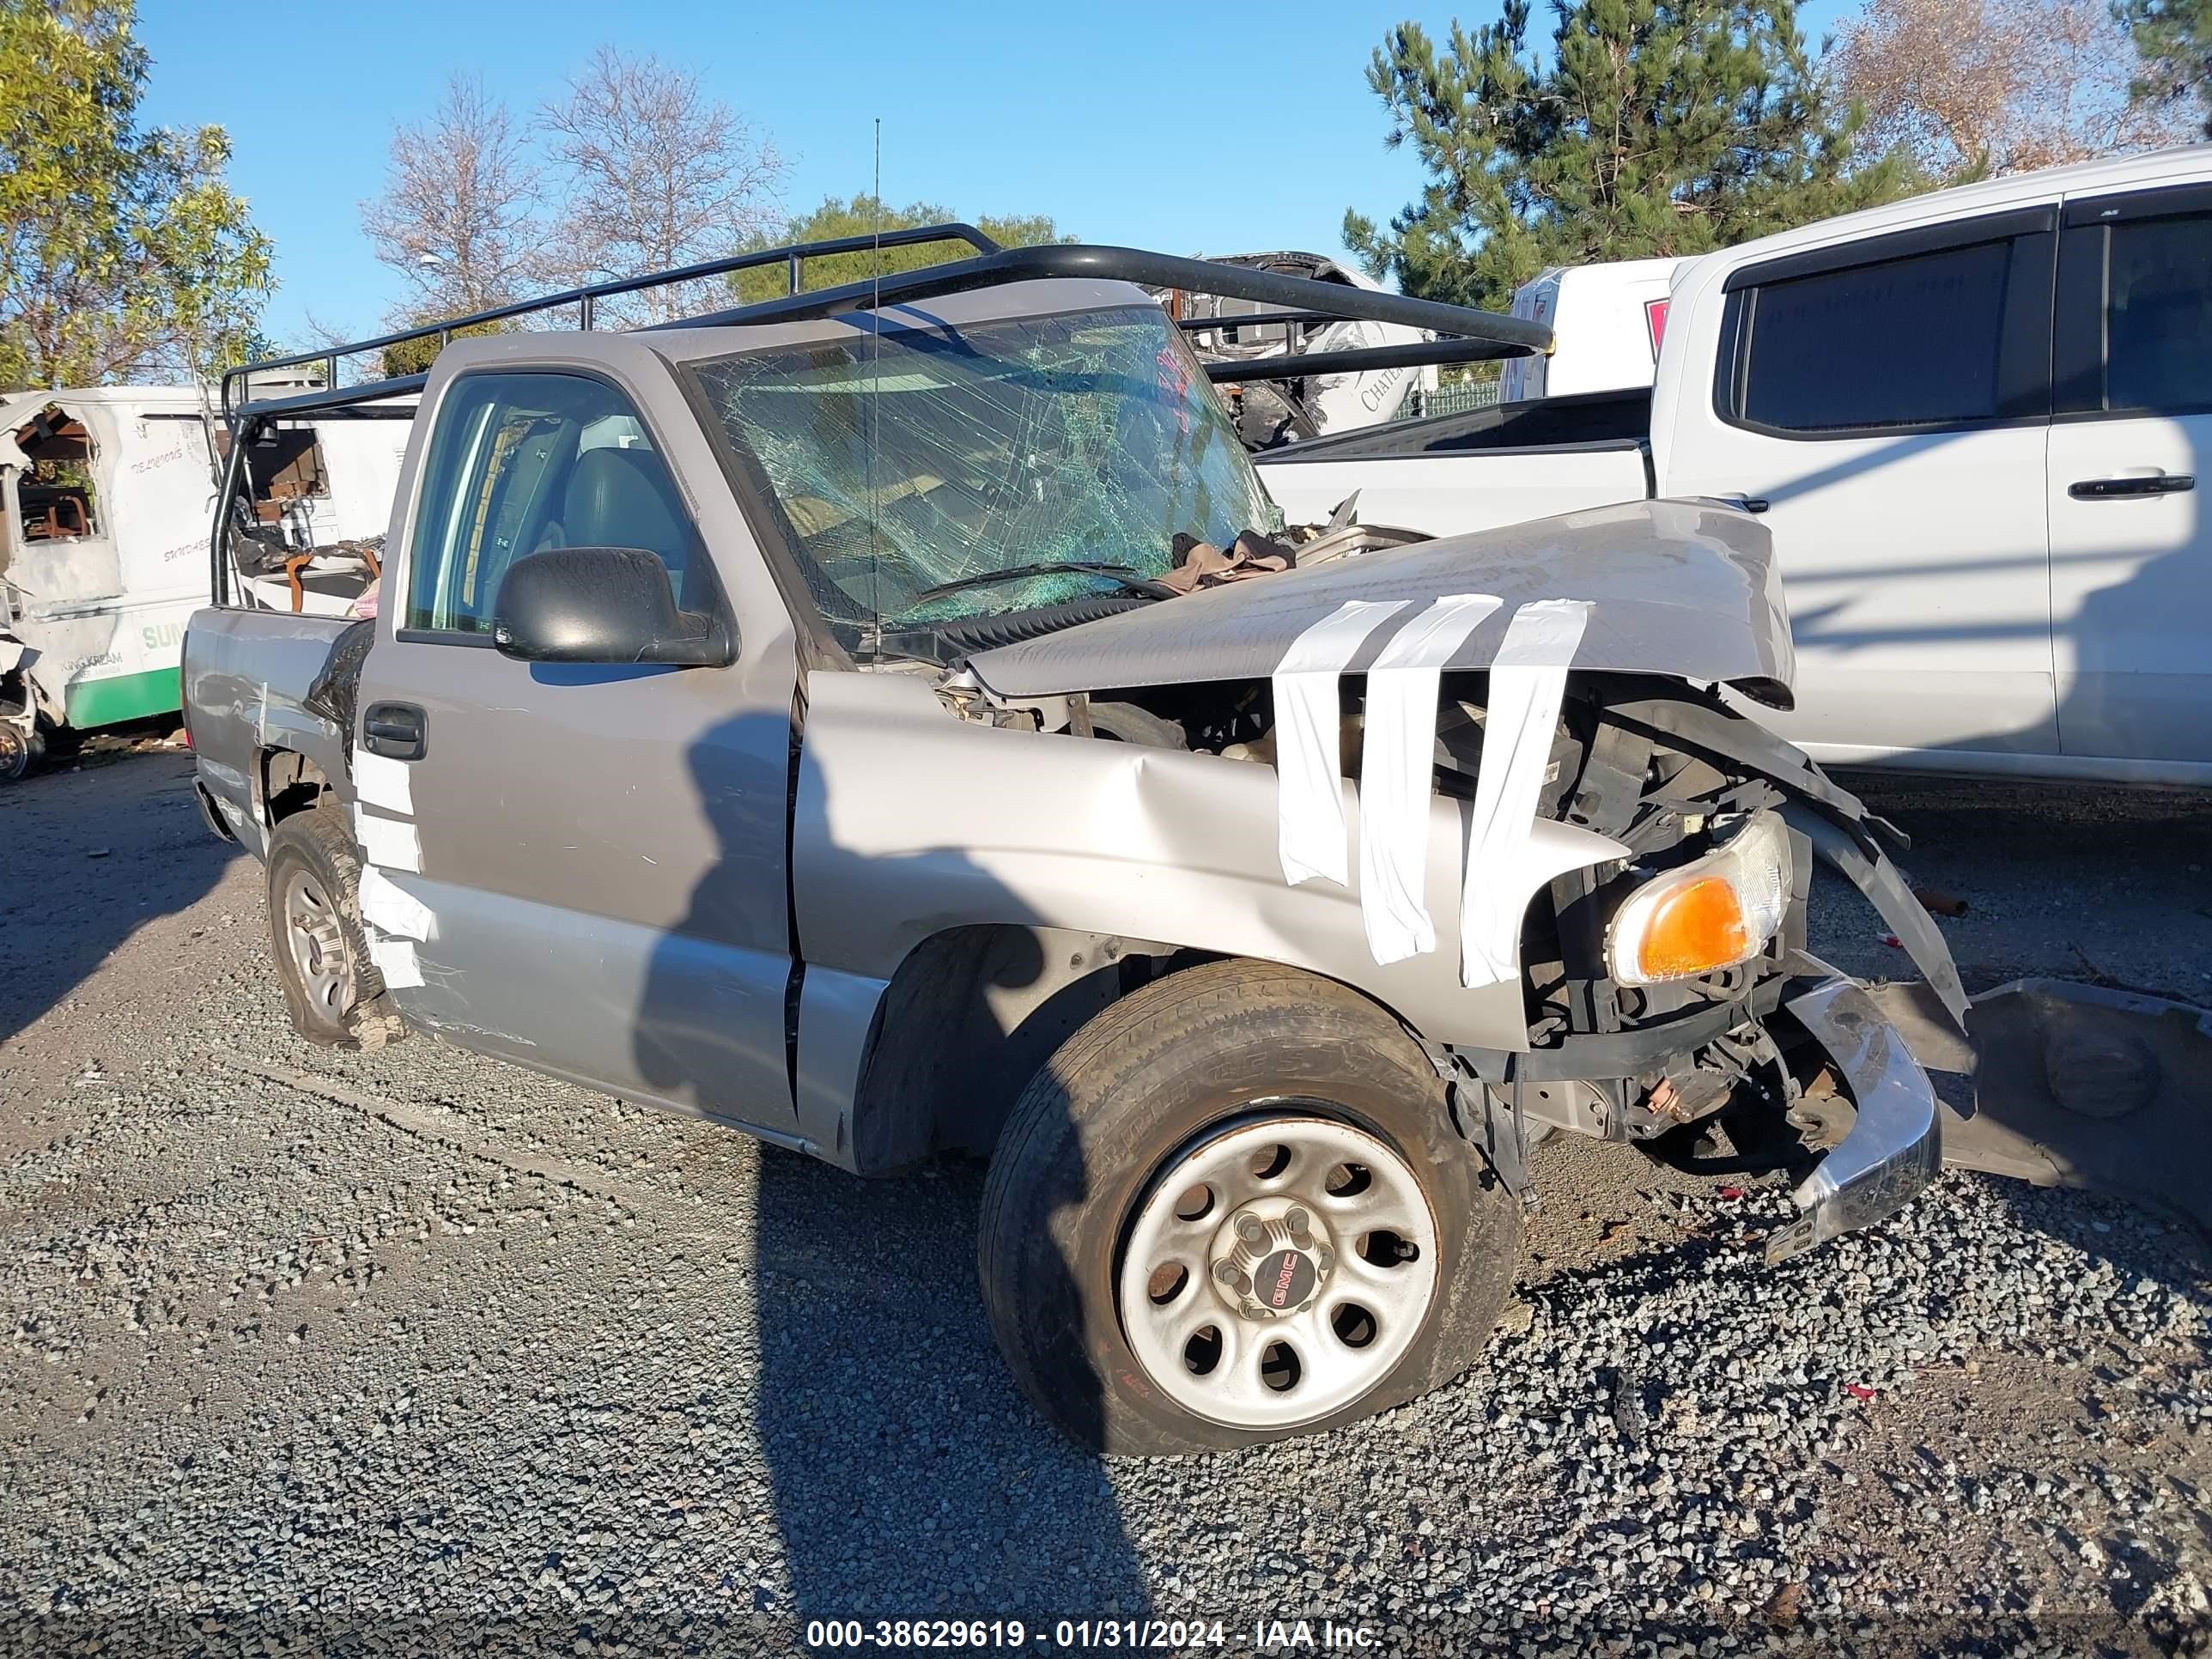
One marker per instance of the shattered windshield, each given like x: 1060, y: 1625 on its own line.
x: 920, y: 460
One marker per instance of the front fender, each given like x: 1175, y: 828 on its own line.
x: 909, y: 821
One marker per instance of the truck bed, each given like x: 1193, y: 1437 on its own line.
x: 246, y: 676
x: 1450, y: 474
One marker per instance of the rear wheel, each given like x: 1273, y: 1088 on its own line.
x: 20, y: 746
x: 1232, y: 1208
x: 314, y: 924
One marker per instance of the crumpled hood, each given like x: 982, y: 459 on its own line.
x: 1685, y: 588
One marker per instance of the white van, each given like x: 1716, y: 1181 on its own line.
x: 108, y: 494
x: 1608, y: 320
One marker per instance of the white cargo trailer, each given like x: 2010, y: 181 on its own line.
x: 108, y: 497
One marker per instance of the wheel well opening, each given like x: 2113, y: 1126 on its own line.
x: 970, y: 1015
x: 290, y: 783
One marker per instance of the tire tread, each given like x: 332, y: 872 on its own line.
x: 322, y: 840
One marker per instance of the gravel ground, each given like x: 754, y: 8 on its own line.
x: 414, y: 1352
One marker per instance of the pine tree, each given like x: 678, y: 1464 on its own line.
x: 2174, y: 38
x: 1652, y: 127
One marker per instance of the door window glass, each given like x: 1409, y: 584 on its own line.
x: 2158, y: 315
x: 1909, y: 342
x: 520, y: 463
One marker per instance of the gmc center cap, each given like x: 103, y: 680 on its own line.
x: 1283, y: 1280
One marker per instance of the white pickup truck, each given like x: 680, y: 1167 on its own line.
x: 1974, y: 422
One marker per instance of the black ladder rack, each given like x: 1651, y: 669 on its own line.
x: 792, y: 258
x: 1466, y: 335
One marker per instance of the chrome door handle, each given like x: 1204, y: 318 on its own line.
x: 2112, y: 490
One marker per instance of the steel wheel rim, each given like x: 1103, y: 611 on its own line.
x: 1277, y: 1260
x: 316, y: 944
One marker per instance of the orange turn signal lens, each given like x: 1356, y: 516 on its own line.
x: 1693, y: 929
x: 1708, y: 914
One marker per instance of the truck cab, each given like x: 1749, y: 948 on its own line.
x: 1987, y: 496
x: 102, y: 493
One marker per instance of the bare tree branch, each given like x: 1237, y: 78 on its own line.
x: 459, y: 214
x: 657, y: 174
x: 1974, y: 87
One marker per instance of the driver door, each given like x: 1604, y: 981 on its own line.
x: 589, y: 860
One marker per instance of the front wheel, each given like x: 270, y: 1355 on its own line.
x: 1232, y: 1208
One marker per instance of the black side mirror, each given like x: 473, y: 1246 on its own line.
x: 602, y: 605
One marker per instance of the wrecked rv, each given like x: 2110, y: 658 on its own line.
x: 104, y: 499
x: 894, y: 718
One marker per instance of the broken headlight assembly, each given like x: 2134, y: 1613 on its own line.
x: 1710, y: 913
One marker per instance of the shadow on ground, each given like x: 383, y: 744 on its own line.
x: 909, y: 1477
x: 86, y: 859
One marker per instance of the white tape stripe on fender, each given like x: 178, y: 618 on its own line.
x: 1311, y: 827
x: 1527, y: 680
x: 380, y: 782
x: 1396, y: 772
x: 386, y: 906
x: 396, y: 960
x: 387, y: 842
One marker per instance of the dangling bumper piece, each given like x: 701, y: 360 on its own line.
x: 1893, y: 1149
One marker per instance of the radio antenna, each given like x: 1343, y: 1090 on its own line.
x: 876, y: 383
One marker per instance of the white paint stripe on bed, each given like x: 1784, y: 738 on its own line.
x: 1396, y: 774
x: 387, y: 906
x: 380, y: 782
x: 1527, y: 680
x: 396, y: 960
x: 387, y: 842
x: 1311, y: 830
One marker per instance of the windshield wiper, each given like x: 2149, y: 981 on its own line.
x: 1126, y: 574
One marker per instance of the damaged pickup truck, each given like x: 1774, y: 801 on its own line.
x: 796, y: 717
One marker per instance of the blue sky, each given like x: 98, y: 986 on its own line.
x: 1191, y: 129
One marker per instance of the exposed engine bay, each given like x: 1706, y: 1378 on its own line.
x: 1705, y: 1069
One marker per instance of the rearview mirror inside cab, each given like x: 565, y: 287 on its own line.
x: 602, y: 605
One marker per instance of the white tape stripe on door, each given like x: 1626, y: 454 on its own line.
x: 1310, y: 826
x: 386, y: 905
x: 380, y: 782
x: 387, y: 842
x: 1396, y: 774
